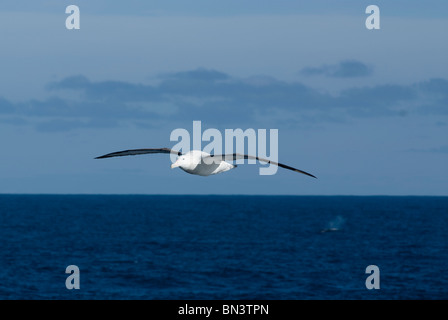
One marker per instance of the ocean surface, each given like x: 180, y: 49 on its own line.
x: 223, y: 247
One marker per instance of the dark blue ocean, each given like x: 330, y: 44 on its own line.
x: 223, y: 247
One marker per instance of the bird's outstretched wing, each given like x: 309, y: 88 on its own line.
x: 138, y: 152
x: 235, y: 156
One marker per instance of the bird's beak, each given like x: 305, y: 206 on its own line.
x: 174, y: 165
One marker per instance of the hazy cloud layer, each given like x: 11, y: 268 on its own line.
x: 344, y: 69
x: 231, y: 7
x: 218, y: 98
x: 441, y: 149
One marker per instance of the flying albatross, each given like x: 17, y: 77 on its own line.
x: 199, y: 162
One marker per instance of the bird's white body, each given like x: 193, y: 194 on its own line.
x: 199, y: 163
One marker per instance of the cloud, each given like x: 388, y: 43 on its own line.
x: 16, y: 121
x: 378, y: 100
x: 110, y: 91
x: 60, y: 125
x: 219, y: 99
x: 440, y: 149
x: 344, y: 69
x: 5, y: 106
x: 200, y: 74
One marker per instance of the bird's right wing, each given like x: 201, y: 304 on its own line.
x: 236, y: 156
x: 138, y: 152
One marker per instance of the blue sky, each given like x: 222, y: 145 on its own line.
x: 364, y: 110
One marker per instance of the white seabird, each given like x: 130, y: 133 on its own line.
x: 199, y: 162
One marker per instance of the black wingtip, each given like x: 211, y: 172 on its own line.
x: 306, y: 173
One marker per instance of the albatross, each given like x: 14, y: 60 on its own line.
x: 199, y: 162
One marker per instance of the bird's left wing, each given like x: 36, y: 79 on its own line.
x: 235, y: 156
x: 138, y: 152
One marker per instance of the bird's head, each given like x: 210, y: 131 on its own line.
x: 188, y: 161
x: 182, y: 161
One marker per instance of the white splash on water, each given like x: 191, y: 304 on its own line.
x: 335, y: 224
